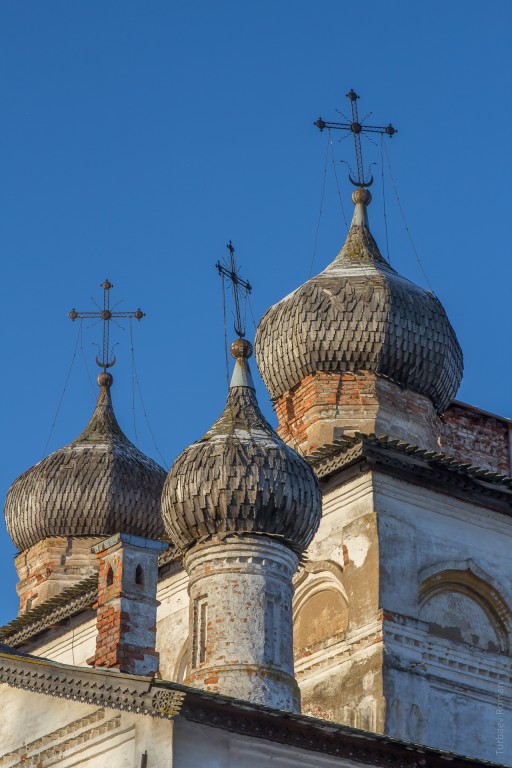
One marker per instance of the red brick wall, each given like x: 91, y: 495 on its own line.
x: 320, y: 394
x: 51, y: 566
x: 476, y: 437
x: 352, y: 402
x: 125, y: 610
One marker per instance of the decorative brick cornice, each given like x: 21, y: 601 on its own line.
x: 104, y: 689
x: 86, y: 725
x: 427, y: 468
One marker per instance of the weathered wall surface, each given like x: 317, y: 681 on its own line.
x: 338, y: 634
x: 477, y: 437
x: 403, y: 609
x: 446, y: 593
x: 172, y: 640
x: 37, y: 731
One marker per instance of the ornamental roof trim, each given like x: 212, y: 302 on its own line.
x: 428, y: 468
x: 164, y: 699
x: 343, y: 445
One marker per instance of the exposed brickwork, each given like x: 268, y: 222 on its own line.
x: 326, y: 405
x: 52, y: 565
x: 126, y: 607
x: 477, y: 437
x: 240, y: 591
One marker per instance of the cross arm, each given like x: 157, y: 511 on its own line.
x: 106, y: 314
x: 139, y: 314
x: 356, y: 127
x: 222, y: 270
x: 74, y: 314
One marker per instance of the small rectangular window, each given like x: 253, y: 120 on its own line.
x: 272, y: 623
x: 200, y: 631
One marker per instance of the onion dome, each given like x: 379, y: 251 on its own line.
x: 359, y: 314
x: 99, y: 484
x: 240, y: 477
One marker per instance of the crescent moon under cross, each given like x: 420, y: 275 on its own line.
x: 361, y: 184
x: 106, y: 365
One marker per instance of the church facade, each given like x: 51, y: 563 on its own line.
x: 337, y: 592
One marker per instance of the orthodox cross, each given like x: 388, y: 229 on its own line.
x: 357, y: 129
x: 106, y: 315
x: 240, y: 287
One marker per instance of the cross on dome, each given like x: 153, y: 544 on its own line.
x: 241, y: 288
x: 357, y: 127
x: 106, y: 315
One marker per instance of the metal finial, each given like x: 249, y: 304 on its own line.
x: 241, y: 288
x: 106, y: 315
x: 357, y: 128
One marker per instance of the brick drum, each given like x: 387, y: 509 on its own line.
x: 324, y: 406
x: 53, y: 565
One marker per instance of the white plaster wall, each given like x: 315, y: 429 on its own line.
x: 452, y: 685
x: 341, y: 680
x: 423, y: 710
x: 36, y: 728
x: 172, y: 626
x: 200, y: 745
x: 73, y: 646
x: 419, y: 528
x: 341, y: 506
x: 419, y: 531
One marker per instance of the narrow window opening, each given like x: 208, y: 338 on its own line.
x: 272, y: 651
x: 110, y: 576
x: 139, y: 576
x: 200, y: 631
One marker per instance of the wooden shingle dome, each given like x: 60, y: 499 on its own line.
x: 99, y: 484
x: 359, y: 314
x: 240, y: 477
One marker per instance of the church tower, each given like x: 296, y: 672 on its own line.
x: 98, y: 485
x: 402, y: 611
x: 243, y: 507
x: 359, y: 348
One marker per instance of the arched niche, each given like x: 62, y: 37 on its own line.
x: 320, y: 609
x: 182, y: 664
x: 460, y: 604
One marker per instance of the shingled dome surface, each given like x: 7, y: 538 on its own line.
x: 98, y: 485
x: 240, y: 477
x: 359, y: 314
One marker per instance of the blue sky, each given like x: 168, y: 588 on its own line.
x: 137, y: 138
